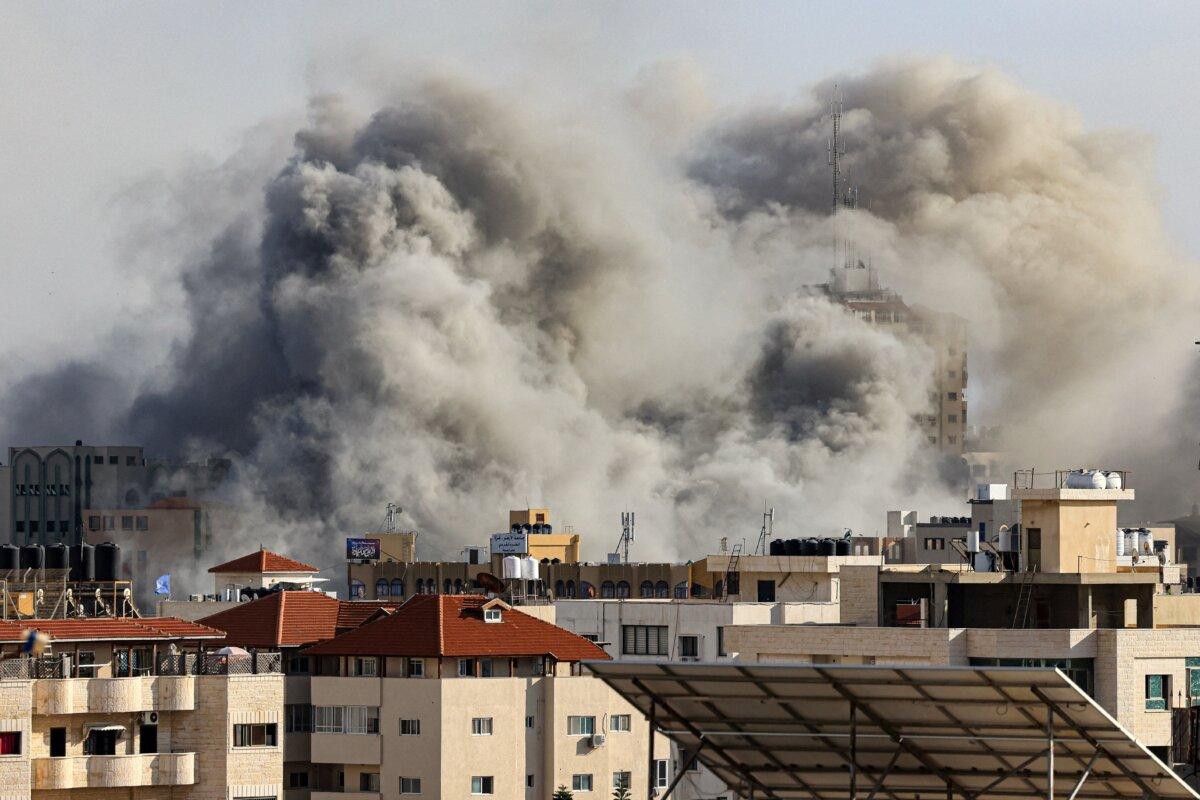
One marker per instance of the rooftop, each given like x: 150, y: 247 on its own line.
x: 453, y: 625
x: 111, y: 629
x: 264, y: 561
x: 292, y: 619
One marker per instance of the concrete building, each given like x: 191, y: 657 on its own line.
x: 136, y: 708
x: 46, y: 489
x: 443, y: 696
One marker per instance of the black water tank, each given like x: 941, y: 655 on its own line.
x: 83, y: 562
x: 842, y: 547
x: 56, y: 556
x: 33, y: 556
x: 778, y: 548
x: 108, y: 561
x: 10, y: 557
x: 547, y: 528
x: 791, y: 547
x: 808, y: 547
x: 826, y: 547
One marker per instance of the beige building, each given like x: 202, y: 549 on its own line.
x: 444, y: 696
x: 135, y: 708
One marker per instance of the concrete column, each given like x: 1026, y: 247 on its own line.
x: 939, y: 606
x: 1084, y: 604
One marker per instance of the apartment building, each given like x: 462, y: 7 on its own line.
x: 445, y: 695
x: 136, y: 708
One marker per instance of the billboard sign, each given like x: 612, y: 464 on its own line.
x: 362, y: 549
x: 510, y: 543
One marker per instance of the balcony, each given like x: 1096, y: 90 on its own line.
x: 345, y: 748
x: 114, y: 695
x: 106, y: 772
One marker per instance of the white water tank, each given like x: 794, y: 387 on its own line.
x: 1008, y: 541
x: 1145, y: 542
x: 1086, y: 479
x: 1131, y: 544
x: 529, y: 568
x: 1112, y: 480
x: 1120, y: 542
x: 972, y: 541
x: 510, y: 568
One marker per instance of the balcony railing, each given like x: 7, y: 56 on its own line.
x: 99, y: 772
x: 51, y: 667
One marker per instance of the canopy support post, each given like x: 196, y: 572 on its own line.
x: 651, y: 777
x: 1049, y: 753
x: 883, y: 775
x: 853, y: 751
x: 685, y: 766
x: 1086, y: 772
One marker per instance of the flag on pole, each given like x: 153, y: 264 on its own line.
x: 163, y: 585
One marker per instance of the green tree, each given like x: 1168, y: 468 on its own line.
x: 621, y: 793
x: 563, y: 793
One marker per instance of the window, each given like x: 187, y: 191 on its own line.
x: 622, y: 780
x: 110, y: 523
x: 681, y: 590
x: 112, y: 460
x: 661, y: 779
x: 297, y: 780
x: 416, y: 668
x: 581, y: 782
x: 298, y: 718
x: 485, y: 668
x: 935, y: 543
x: 397, y: 588
x: 410, y: 727
x: 93, y: 522
x: 365, y: 667
x: 10, y: 743
x: 951, y: 395
x: 481, y: 726
x: 130, y: 461
x: 382, y: 587
x: 766, y: 591
x: 102, y: 742
x: 1158, y: 691
x: 410, y: 786
x: 646, y: 589
x: 346, y: 719
x: 528, y: 781
x: 529, y: 722
x: 298, y: 665
x: 620, y: 722
x: 255, y: 735
x: 608, y: 589
x: 952, y: 417
x: 622, y: 589
x: 721, y: 641
x: 86, y: 661
x: 481, y: 784
x: 466, y: 668
x: 58, y: 742
x: 491, y: 615
x: 689, y: 646
x: 644, y: 640
x: 126, y: 523
x: 952, y: 439
x: 368, y: 781
x: 581, y: 726
x: 662, y: 589
x: 358, y: 590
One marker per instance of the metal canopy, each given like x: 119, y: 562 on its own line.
x: 895, y: 732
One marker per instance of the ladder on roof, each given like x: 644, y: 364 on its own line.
x: 731, y: 573
x: 1020, y: 617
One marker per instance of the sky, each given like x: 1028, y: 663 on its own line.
x: 97, y: 98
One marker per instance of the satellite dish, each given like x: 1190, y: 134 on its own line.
x: 490, y: 582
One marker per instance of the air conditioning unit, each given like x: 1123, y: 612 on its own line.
x: 149, y: 717
x: 598, y: 740
x: 689, y: 658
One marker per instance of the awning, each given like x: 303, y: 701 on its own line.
x: 91, y: 727
x: 893, y: 733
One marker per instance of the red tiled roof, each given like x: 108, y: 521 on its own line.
x: 108, y: 629
x: 264, y: 561
x: 452, y: 625
x: 292, y: 618
x: 281, y: 619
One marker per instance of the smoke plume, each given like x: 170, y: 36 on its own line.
x: 465, y: 301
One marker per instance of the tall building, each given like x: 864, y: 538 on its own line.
x: 134, y: 708
x: 47, y: 489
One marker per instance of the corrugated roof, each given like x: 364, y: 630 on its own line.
x: 452, y: 625
x: 264, y: 561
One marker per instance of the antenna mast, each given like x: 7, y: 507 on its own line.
x: 837, y: 148
x: 768, y: 530
x: 389, y: 519
x: 626, y: 536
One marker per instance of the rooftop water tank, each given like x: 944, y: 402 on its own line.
x: 510, y: 568
x: 1112, y: 480
x: 1145, y: 542
x: 1086, y: 479
x: 793, y: 547
x: 10, y: 557
x: 83, y: 562
x: 826, y: 547
x: 33, y: 556
x: 777, y: 547
x: 547, y: 528
x: 108, y: 561
x: 841, y: 547
x: 56, y: 556
x: 972, y: 541
x: 1131, y: 543
x: 808, y: 547
x: 529, y: 568
x: 1120, y: 542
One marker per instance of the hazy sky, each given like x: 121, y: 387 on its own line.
x: 96, y: 97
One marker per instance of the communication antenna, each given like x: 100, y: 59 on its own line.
x: 768, y: 530
x: 837, y: 148
x: 389, y: 519
x: 626, y: 535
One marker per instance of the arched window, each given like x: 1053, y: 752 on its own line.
x: 381, y: 588
x: 560, y: 589
x: 623, y: 589
x: 446, y: 586
x: 570, y: 588
x: 420, y: 586
x: 358, y: 590
x: 661, y: 589
x: 681, y: 590
x: 607, y: 589
x: 646, y: 589
x: 133, y: 499
x: 699, y: 591
x: 458, y: 585
x: 586, y: 590
x: 397, y: 587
